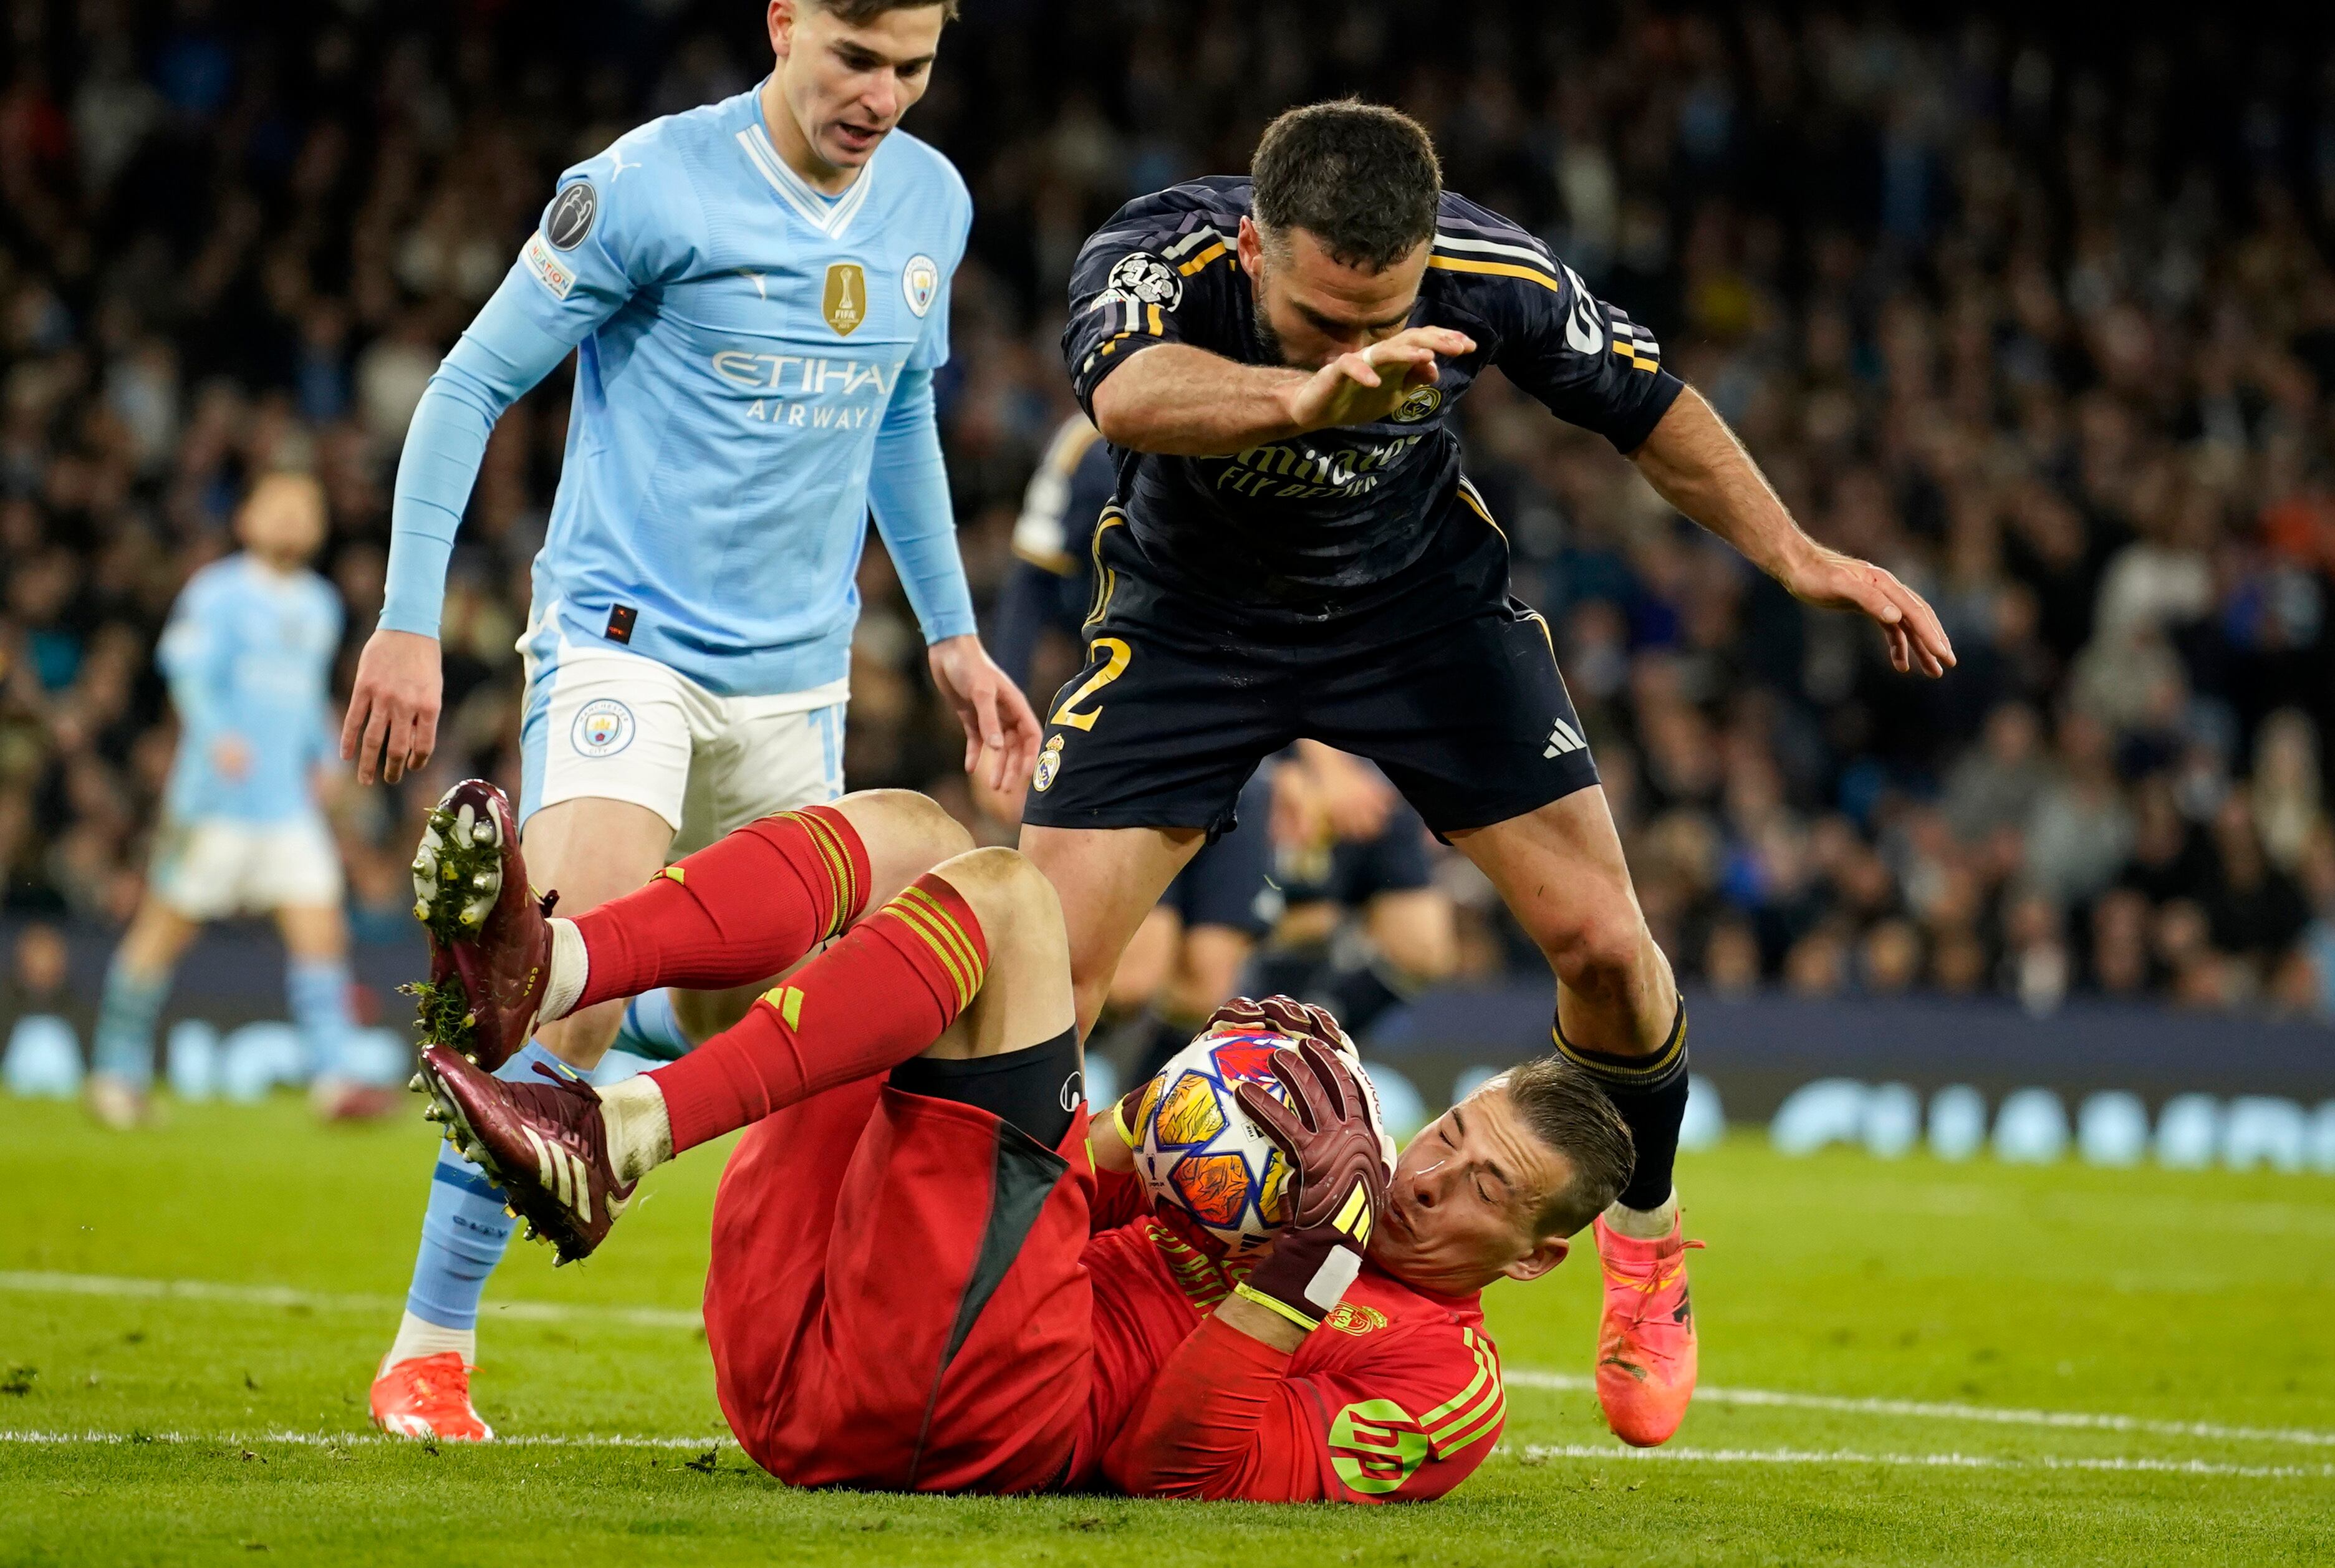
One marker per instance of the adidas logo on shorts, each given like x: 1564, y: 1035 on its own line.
x: 1563, y: 739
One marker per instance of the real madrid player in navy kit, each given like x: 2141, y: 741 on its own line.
x: 1189, y: 954
x: 1292, y: 551
x: 757, y: 296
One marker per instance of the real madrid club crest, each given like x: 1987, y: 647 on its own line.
x: 1422, y: 402
x: 1050, y: 762
x: 845, y: 302
x: 920, y: 281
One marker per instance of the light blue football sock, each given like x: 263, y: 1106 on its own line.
x: 464, y: 1231
x: 132, y: 1002
x: 651, y: 1030
x: 318, y: 991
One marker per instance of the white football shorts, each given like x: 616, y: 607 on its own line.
x: 211, y: 867
x: 605, y: 724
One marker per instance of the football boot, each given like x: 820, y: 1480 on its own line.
x: 428, y: 1397
x: 490, y: 938
x: 118, y: 1103
x: 1645, y: 1338
x: 545, y: 1143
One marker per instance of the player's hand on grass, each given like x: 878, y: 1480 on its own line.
x: 393, y: 720
x: 1368, y: 384
x: 1833, y: 581
x: 1000, y: 729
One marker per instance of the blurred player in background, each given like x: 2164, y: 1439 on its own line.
x: 927, y: 1272
x: 1190, y: 954
x: 248, y: 654
x: 1279, y: 359
x: 1365, y: 928
x: 757, y: 293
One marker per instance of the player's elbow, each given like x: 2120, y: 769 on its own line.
x: 1126, y: 414
x: 1119, y: 413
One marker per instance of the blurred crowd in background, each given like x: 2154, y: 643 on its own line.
x: 2044, y: 322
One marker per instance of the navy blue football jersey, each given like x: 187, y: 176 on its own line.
x: 1311, y: 522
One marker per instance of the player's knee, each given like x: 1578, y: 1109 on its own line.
x: 1008, y: 893
x: 903, y: 827
x: 1596, y: 946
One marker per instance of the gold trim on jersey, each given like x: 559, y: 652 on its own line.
x: 1106, y: 578
x: 1496, y: 270
x: 1628, y: 351
x: 1475, y: 503
x: 1201, y: 260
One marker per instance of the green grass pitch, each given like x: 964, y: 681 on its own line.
x: 1903, y: 1362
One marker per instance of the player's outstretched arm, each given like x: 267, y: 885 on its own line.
x: 1695, y: 463
x: 1001, y: 732
x: 1185, y: 401
x: 392, y: 722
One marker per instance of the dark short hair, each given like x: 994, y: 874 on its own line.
x: 1564, y: 1105
x: 860, y: 12
x: 1361, y: 178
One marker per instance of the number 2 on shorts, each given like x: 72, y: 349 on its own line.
x: 1113, y: 668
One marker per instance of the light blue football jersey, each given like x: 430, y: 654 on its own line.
x: 740, y: 339
x: 248, y: 652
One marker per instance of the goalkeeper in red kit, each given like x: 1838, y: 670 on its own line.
x: 929, y: 1271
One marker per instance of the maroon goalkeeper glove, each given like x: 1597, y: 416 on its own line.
x: 1280, y: 1015
x: 1337, y: 1184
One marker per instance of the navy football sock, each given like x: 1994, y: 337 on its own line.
x: 1650, y: 1092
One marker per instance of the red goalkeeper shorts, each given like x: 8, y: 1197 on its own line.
x: 895, y: 1298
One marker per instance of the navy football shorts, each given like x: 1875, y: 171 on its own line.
x: 1440, y: 677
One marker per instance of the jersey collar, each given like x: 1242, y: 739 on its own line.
x: 1466, y: 1304
x: 830, y: 218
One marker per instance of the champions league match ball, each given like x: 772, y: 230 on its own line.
x: 1200, y: 1154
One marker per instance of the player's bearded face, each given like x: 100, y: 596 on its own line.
x: 847, y: 87
x: 1311, y: 308
x: 1461, y: 1209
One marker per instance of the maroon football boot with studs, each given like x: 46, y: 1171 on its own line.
x: 489, y: 937
x: 544, y: 1141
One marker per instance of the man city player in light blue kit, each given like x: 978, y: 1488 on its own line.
x: 757, y: 292
x: 248, y: 654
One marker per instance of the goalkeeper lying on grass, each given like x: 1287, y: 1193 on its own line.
x: 929, y: 1271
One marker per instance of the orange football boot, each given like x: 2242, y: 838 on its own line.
x: 1645, y: 1339
x: 428, y: 1397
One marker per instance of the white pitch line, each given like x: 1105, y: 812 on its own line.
x: 286, y: 1297
x: 1565, y: 1382
x: 283, y: 1296
x: 1543, y: 1451
x: 346, y: 1439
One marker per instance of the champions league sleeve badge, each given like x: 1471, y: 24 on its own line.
x: 1145, y: 278
x: 571, y: 215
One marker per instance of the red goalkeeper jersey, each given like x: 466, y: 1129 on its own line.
x: 1396, y: 1397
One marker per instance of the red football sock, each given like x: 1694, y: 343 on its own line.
x: 735, y: 913
x: 881, y: 994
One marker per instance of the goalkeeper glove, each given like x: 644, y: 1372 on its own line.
x: 1337, y: 1184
